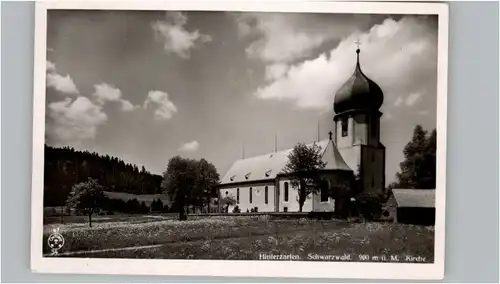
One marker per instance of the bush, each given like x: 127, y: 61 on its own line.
x: 165, y: 209
x: 157, y: 206
x: 133, y: 206
x: 144, y: 208
x: 369, y: 205
x: 50, y: 212
x: 236, y: 209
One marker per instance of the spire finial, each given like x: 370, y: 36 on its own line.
x: 358, y: 43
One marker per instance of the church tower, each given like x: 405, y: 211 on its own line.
x: 357, y: 128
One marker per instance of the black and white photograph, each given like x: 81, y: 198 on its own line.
x: 294, y: 139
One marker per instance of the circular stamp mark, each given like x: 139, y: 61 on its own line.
x: 55, y: 241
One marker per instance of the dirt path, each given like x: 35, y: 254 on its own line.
x: 69, y: 253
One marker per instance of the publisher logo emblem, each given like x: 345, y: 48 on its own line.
x: 55, y: 241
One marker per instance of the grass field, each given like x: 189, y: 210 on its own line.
x: 238, y: 237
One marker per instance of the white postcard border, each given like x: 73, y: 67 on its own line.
x: 238, y: 268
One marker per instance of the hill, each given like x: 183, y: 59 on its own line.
x: 66, y: 166
x: 146, y: 198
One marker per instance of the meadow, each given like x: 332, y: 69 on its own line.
x: 236, y: 237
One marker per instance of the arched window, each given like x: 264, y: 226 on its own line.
x: 286, y: 191
x: 266, y: 197
x: 238, y: 195
x: 344, y: 124
x: 250, y: 195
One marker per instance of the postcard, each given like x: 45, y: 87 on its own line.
x: 240, y: 138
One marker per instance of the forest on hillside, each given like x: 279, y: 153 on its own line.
x: 65, y: 167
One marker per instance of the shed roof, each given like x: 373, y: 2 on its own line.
x: 268, y: 166
x: 414, y: 197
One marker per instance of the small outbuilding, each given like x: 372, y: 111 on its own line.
x: 411, y: 206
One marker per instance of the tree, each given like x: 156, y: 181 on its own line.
x: 303, y: 168
x: 342, y: 189
x: 418, y: 170
x: 188, y: 182
x: 207, y: 181
x: 165, y: 209
x: 157, y: 205
x: 144, y: 208
x: 227, y: 201
x: 153, y: 205
x: 133, y: 206
x: 86, y: 197
x: 369, y: 205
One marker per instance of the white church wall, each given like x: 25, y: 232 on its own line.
x: 360, y: 129
x: 348, y: 140
x: 258, y: 197
x: 322, y: 206
x: 351, y: 156
x: 291, y: 203
x: 319, y: 205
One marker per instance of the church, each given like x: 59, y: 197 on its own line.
x: 258, y: 184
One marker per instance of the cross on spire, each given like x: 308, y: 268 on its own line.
x: 358, y: 43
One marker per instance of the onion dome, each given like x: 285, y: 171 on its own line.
x: 358, y: 93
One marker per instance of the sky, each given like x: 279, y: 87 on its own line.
x: 146, y: 86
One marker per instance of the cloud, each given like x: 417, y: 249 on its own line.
x: 189, y: 147
x: 409, y: 101
x: 62, y: 84
x: 276, y: 71
x: 51, y: 67
x: 423, y: 112
x: 276, y: 38
x: 399, y: 55
x: 398, y: 101
x: 387, y: 116
x: 412, y: 99
x: 127, y: 106
x: 176, y: 39
x: 73, y: 121
x: 108, y: 93
x: 159, y: 101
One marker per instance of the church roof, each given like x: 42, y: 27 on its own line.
x: 414, y: 197
x: 358, y: 93
x: 268, y: 166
